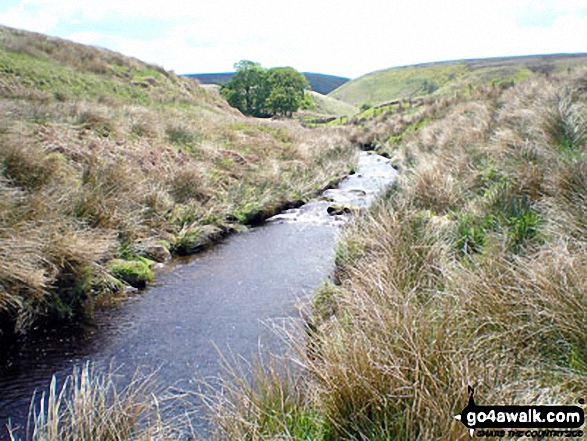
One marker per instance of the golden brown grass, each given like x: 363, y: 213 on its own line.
x: 469, y: 272
x: 89, y: 406
x: 107, y: 153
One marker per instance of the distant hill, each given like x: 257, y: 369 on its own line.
x: 323, y: 84
x: 450, y: 77
x: 212, y: 78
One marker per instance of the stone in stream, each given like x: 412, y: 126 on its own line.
x: 338, y: 209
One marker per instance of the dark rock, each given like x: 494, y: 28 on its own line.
x: 338, y: 209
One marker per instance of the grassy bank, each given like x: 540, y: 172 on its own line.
x: 469, y: 272
x: 108, y: 164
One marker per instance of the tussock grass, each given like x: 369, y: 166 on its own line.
x: 88, y: 406
x: 268, y: 398
x: 469, y: 272
x: 100, y: 153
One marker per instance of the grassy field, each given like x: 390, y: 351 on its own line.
x: 326, y: 106
x: 108, y: 164
x: 470, y: 271
x: 450, y: 77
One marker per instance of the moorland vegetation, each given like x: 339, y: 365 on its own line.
x: 108, y: 164
x: 469, y: 271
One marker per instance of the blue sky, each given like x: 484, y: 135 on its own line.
x: 338, y: 37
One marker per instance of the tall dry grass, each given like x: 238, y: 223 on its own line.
x: 90, y: 406
x: 469, y: 272
x: 103, y: 156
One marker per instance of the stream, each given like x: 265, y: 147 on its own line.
x: 222, y: 301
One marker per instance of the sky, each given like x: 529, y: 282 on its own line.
x: 336, y: 37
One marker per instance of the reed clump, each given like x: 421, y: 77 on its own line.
x: 91, y: 406
x: 100, y: 153
x: 470, y: 271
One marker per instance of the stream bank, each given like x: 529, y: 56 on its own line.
x: 222, y: 300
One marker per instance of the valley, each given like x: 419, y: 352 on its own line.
x: 145, y: 222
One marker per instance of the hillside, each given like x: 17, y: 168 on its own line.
x: 450, y: 77
x: 470, y: 266
x: 327, y: 106
x: 108, y: 164
x: 323, y: 84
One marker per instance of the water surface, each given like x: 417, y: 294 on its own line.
x: 220, y: 301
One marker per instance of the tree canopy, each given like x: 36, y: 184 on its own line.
x: 263, y: 92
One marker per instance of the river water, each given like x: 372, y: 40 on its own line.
x: 223, y: 301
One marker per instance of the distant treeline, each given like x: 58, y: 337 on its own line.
x: 320, y: 83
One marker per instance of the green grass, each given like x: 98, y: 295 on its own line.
x: 462, y: 77
x: 381, y: 86
x: 100, y: 153
x: 412, y: 127
x: 49, y: 79
x: 327, y: 106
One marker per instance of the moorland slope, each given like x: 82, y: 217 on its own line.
x: 450, y: 77
x: 108, y: 164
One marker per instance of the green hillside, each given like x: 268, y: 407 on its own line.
x: 108, y: 164
x: 328, y: 106
x: 450, y: 77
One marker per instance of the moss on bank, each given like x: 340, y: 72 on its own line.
x: 101, y: 154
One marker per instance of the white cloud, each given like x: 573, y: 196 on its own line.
x: 21, y: 17
x: 332, y: 36
x: 87, y: 37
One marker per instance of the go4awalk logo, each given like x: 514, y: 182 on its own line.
x: 558, y: 420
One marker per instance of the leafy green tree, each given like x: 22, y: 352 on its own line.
x: 308, y: 103
x: 247, y: 90
x: 287, y: 87
x: 259, y: 92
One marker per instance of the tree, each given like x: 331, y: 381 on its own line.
x: 287, y: 88
x: 259, y: 92
x: 247, y: 89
